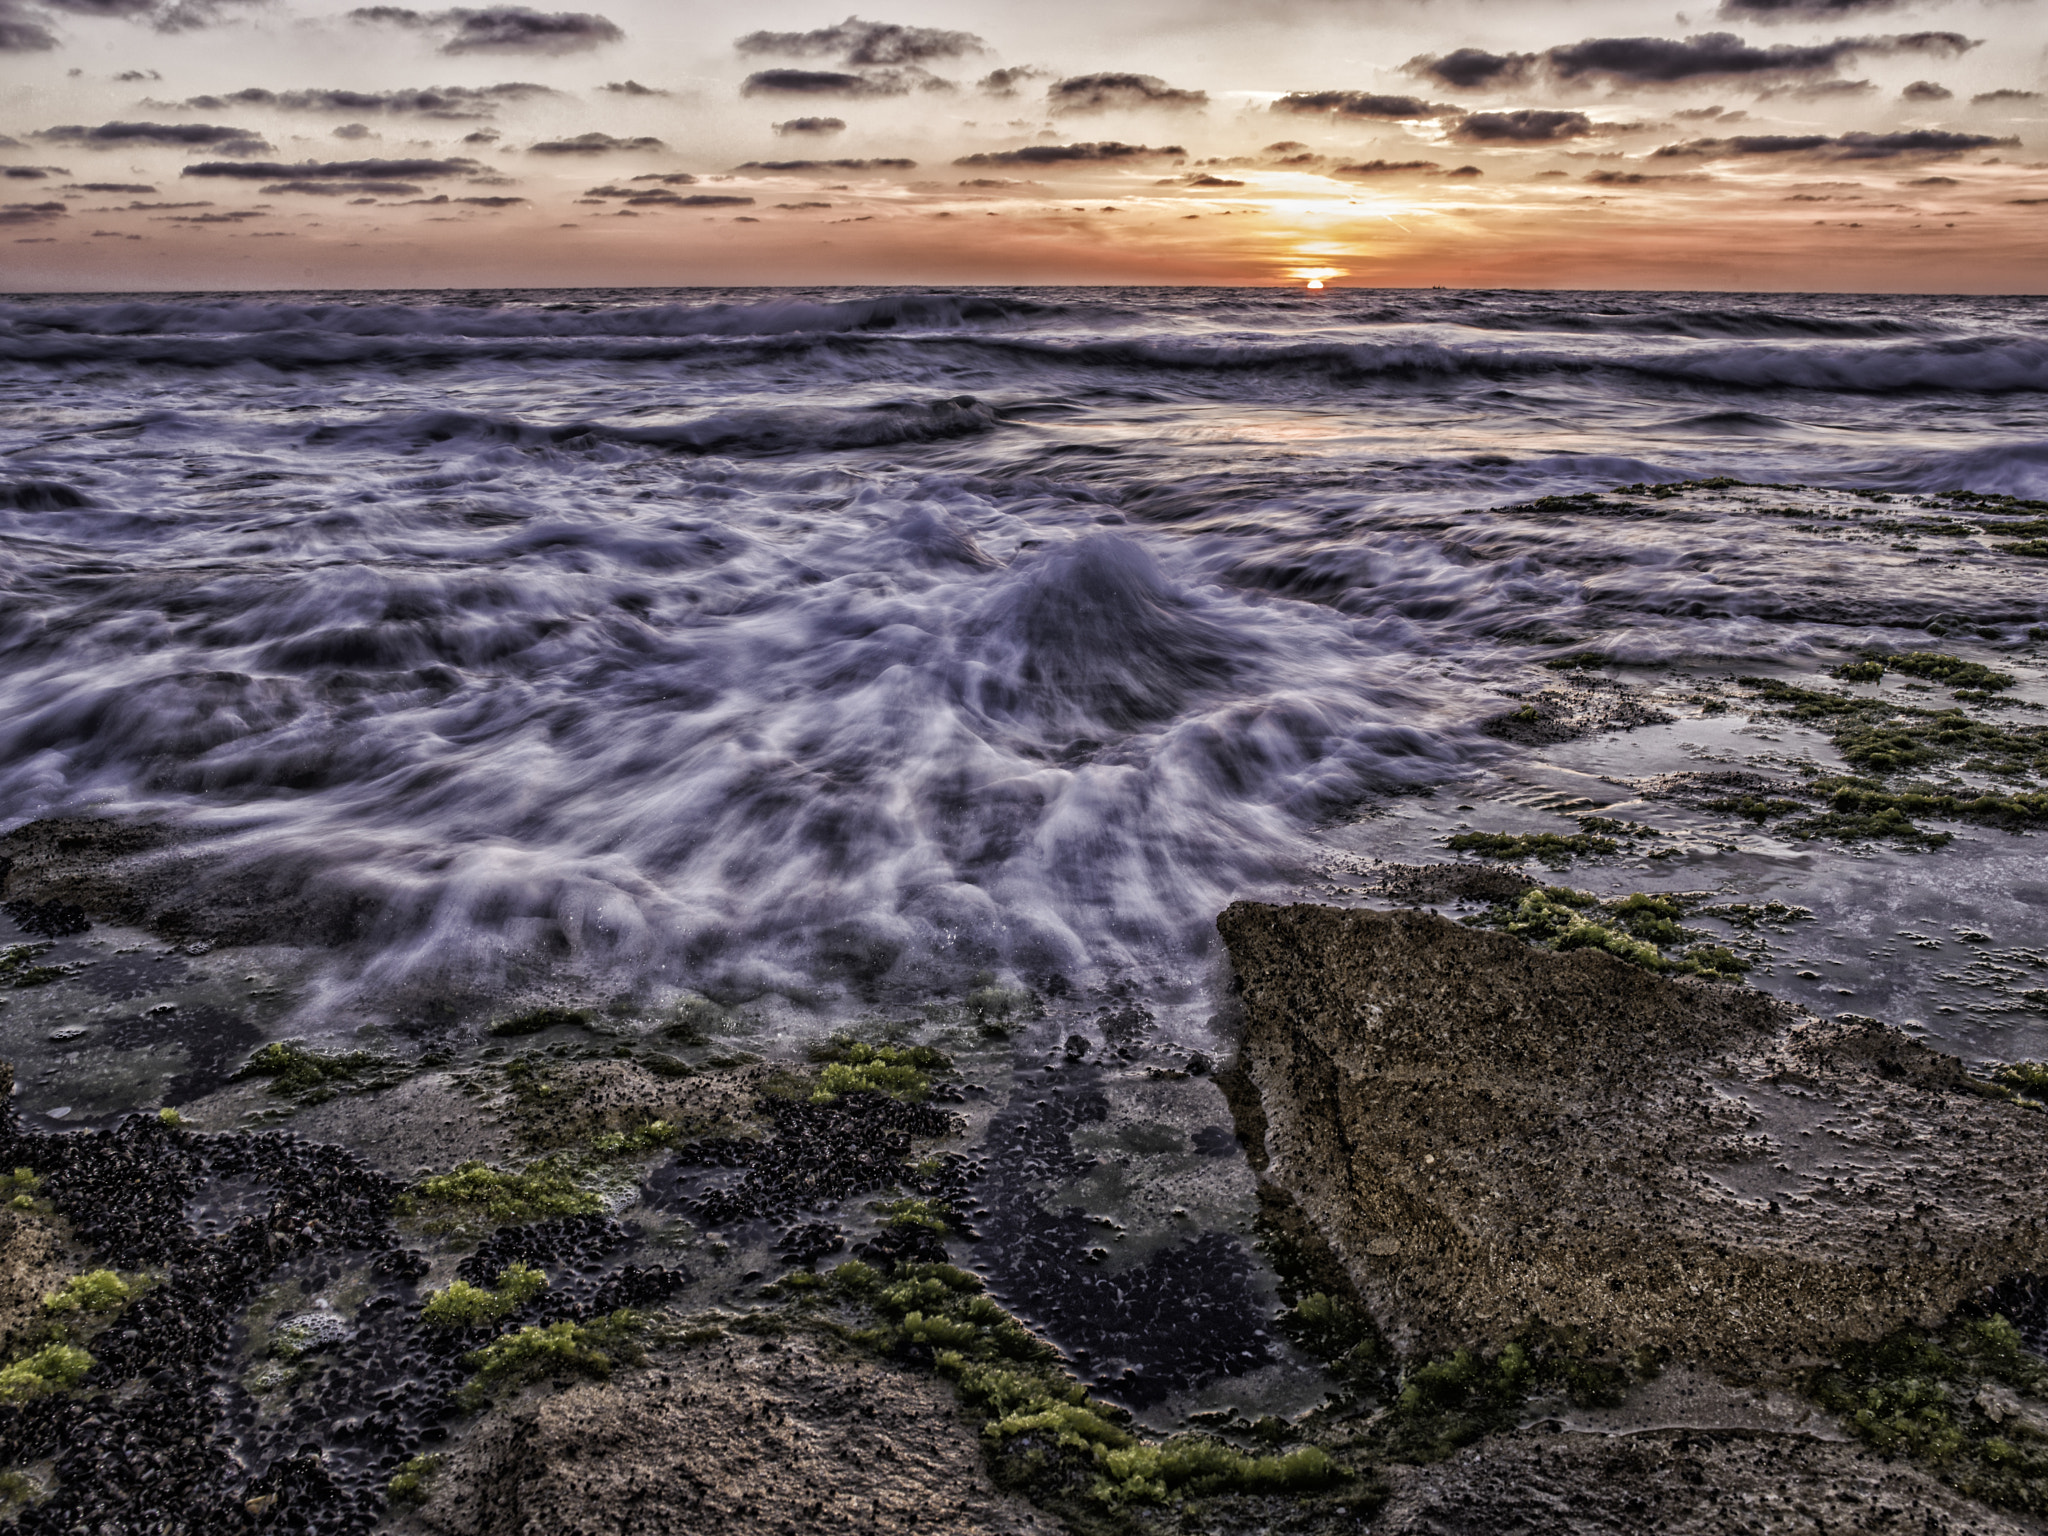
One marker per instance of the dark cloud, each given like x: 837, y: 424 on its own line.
x: 668, y: 178
x: 825, y: 82
x: 1932, y: 181
x: 448, y: 102
x: 799, y: 207
x: 1709, y: 114
x: 2008, y: 94
x: 31, y: 213
x: 482, y: 136
x: 490, y: 202
x: 1817, y: 90
x: 634, y: 88
x: 1386, y: 168
x: 1473, y: 69
x: 1670, y: 61
x: 334, y: 170
x: 1213, y: 181
x: 1050, y: 155
x: 594, y: 144
x: 829, y: 165
x: 21, y: 32
x: 164, y: 15
x: 130, y: 76
x: 715, y: 200
x: 354, y: 131
x: 858, y: 42
x: 1801, y: 10
x: 1528, y: 125
x: 1930, y: 143
x: 1606, y: 178
x: 1362, y: 104
x: 236, y: 217
x: 1926, y: 90
x: 218, y: 138
x: 1006, y: 82
x: 342, y: 189
x: 33, y: 172
x: 1465, y: 171
x: 499, y: 29
x: 817, y: 125
x: 109, y: 186
x: 1116, y: 92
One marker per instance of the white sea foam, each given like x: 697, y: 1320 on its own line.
x: 848, y: 645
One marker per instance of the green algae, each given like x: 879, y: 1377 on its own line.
x: 1637, y: 928
x: 2024, y: 1080
x: 1966, y: 1400
x: 18, y: 968
x: 99, y: 1291
x: 53, y: 1368
x: 1554, y: 849
x: 556, y: 1349
x: 853, y: 1066
x: 413, y: 1481
x: 462, y: 1305
x: 21, y: 1189
x: 475, y: 1193
x: 313, y: 1077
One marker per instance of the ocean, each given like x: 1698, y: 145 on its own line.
x: 905, y: 661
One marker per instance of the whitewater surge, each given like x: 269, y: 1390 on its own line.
x: 851, y: 647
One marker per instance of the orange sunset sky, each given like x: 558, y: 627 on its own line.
x: 1779, y: 144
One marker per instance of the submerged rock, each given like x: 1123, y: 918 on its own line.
x: 1492, y: 1137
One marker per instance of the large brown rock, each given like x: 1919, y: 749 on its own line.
x: 1491, y: 1136
x: 739, y: 1437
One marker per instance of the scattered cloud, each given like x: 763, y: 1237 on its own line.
x: 455, y: 103
x: 1817, y: 90
x: 1049, y: 155
x: 1917, y: 142
x: 1986, y: 98
x: 164, y: 15
x: 110, y: 186
x: 858, y: 42
x: 1671, y: 61
x: 1709, y: 114
x: 1118, y: 92
x: 33, y: 172
x: 1363, y: 104
x: 1607, y: 178
x: 1801, y: 10
x: 334, y: 170
x: 341, y: 189
x: 1926, y: 90
x: 23, y: 32
x: 1387, y: 168
x: 1527, y: 125
x: 31, y: 213
x: 1007, y: 82
x: 595, y: 144
x: 668, y: 178
x: 633, y: 88
x: 811, y: 125
x: 220, y: 139
x: 831, y: 82
x: 784, y: 166
x: 499, y: 29
x: 1932, y: 181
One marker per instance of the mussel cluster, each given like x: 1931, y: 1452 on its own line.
x: 168, y: 1434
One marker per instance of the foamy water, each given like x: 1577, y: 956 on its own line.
x: 839, y: 646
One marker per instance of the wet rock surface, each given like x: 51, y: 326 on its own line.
x: 1536, y: 1483
x: 737, y: 1436
x: 1491, y: 1137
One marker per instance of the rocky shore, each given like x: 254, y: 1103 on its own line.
x: 1572, y: 1242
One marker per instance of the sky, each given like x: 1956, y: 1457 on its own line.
x: 1806, y: 145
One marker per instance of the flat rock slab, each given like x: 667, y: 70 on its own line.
x: 739, y: 1437
x: 1491, y: 1136
x: 1675, y: 1483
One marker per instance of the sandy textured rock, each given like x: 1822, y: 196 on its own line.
x: 1675, y: 1483
x: 31, y: 1266
x: 1490, y: 1135
x: 575, y: 1099
x: 739, y: 1436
